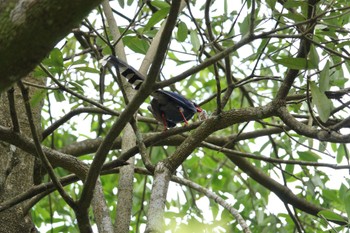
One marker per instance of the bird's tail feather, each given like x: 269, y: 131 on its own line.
x: 133, y: 76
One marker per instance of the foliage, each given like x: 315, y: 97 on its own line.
x: 272, y: 34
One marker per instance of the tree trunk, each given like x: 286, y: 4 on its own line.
x: 16, y: 166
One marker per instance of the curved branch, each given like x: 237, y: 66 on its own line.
x: 284, y: 193
x: 216, y: 123
x: 309, y: 131
x: 303, y: 51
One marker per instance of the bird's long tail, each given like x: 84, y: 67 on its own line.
x: 134, y: 77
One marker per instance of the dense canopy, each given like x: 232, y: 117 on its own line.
x: 271, y: 157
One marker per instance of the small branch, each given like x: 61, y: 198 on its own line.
x: 39, y: 190
x: 142, y: 148
x: 49, y: 130
x: 230, y: 153
x: 36, y: 193
x: 76, y: 94
x: 285, y: 194
x: 130, y: 24
x: 13, y: 112
x: 126, y: 178
x: 309, y: 131
x: 218, y: 88
x: 303, y: 51
x: 211, y: 195
x: 78, y: 111
x: 252, y: 19
x: 230, y: 86
x: 206, y: 63
x: 343, y: 123
x: 39, y: 150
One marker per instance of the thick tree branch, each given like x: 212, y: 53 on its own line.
x: 214, y: 124
x: 284, y: 193
x: 30, y: 29
x: 309, y: 131
x: 126, y: 178
x: 132, y: 107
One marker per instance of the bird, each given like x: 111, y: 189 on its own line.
x: 168, y: 108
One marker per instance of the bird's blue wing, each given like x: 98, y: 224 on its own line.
x: 180, y: 100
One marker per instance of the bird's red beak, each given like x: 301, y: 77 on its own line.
x: 202, y: 113
x: 199, y: 109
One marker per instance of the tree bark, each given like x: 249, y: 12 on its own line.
x: 155, y: 214
x: 17, y: 166
x: 126, y: 178
x: 30, y: 29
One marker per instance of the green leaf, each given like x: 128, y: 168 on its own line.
x: 308, y: 156
x: 121, y: 3
x: 340, y: 153
x: 195, y: 40
x: 160, y: 4
x: 347, y: 203
x: 244, y: 26
x: 289, y: 170
x: 293, y: 4
x: 295, y: 63
x: 271, y: 3
x: 39, y: 73
x: 87, y: 69
x: 329, y: 215
x: 323, y: 104
x: 56, y: 57
x: 78, y: 62
x: 324, y: 78
x: 59, y: 96
x: 330, y: 194
x: 77, y: 87
x: 316, y: 180
x: 136, y: 44
x: 338, y: 78
x: 38, y: 96
x: 342, y: 191
x: 55, y: 61
x: 182, y: 32
x: 294, y: 16
x: 314, y: 58
x: 156, y: 18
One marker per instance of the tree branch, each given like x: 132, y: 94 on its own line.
x: 21, y: 49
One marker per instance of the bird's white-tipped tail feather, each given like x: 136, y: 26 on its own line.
x: 133, y: 76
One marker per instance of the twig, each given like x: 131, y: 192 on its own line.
x: 76, y: 94
x: 13, y: 112
x: 142, y: 148
x: 252, y: 18
x: 230, y: 153
x: 216, y: 198
x: 218, y: 88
